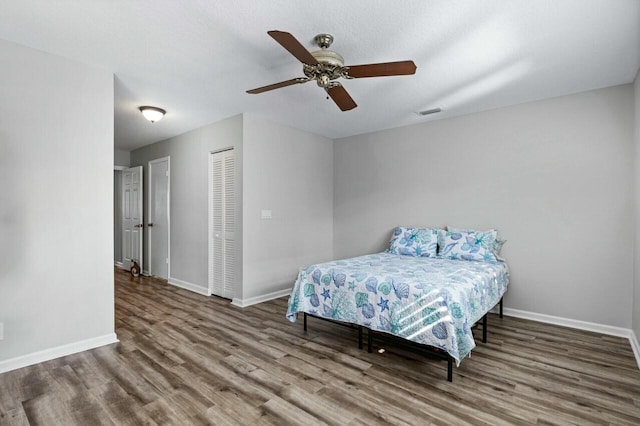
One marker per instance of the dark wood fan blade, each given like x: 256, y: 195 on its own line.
x: 342, y: 98
x: 277, y: 85
x: 294, y: 47
x: 382, y: 70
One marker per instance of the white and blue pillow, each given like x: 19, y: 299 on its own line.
x: 497, y: 245
x: 469, y: 245
x: 414, y: 242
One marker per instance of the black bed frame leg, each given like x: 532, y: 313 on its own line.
x: 450, y: 369
x: 360, y: 337
x: 501, y: 306
x: 484, y: 328
x: 370, y: 341
x: 305, y: 321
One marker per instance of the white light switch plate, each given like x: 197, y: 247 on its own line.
x: 1, y: 330
x: 266, y: 214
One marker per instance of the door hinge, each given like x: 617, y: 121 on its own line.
x: 167, y: 260
x: 167, y: 173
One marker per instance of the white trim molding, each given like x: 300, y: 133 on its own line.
x: 243, y: 303
x: 580, y: 325
x: 189, y: 286
x: 119, y: 265
x: 568, y: 322
x: 57, y: 352
x: 633, y: 339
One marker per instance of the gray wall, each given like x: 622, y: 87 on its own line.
x: 121, y: 158
x: 284, y: 170
x: 636, y: 289
x: 56, y: 169
x: 555, y: 177
x: 189, y: 194
x: 289, y: 172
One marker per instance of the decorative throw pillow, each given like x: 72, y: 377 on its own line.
x: 497, y: 246
x: 469, y: 245
x: 414, y: 242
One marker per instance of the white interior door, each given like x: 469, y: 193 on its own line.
x: 158, y: 217
x: 222, y: 223
x: 132, y: 216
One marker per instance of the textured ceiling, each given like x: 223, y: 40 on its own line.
x: 197, y: 58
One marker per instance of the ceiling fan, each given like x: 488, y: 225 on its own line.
x: 325, y: 67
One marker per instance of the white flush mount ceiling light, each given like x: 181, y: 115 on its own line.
x: 152, y: 114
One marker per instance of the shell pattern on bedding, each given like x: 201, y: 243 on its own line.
x: 432, y: 301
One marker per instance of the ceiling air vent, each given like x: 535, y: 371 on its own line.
x: 429, y: 111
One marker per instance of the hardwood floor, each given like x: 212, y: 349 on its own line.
x: 189, y: 359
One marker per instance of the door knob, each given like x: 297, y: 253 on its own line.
x: 149, y: 224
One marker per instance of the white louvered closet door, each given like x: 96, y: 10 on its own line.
x: 222, y: 223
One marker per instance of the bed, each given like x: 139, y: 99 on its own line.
x: 431, y: 301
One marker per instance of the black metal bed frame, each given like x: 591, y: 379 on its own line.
x: 406, y: 344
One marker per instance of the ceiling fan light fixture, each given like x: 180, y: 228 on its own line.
x: 152, y: 114
x: 326, y: 56
x: 325, y: 67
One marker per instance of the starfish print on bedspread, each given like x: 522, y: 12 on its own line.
x: 384, y: 304
x: 326, y: 294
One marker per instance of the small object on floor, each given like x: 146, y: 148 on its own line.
x: 135, y: 268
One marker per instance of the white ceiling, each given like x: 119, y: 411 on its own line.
x: 197, y: 58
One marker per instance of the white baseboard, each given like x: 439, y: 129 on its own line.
x: 243, y: 303
x: 580, y: 325
x: 189, y: 286
x: 568, y: 322
x: 633, y: 339
x: 57, y: 352
x: 119, y: 265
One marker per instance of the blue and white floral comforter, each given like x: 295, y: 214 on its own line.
x: 432, y: 301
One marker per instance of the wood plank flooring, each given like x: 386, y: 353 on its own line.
x: 189, y: 359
